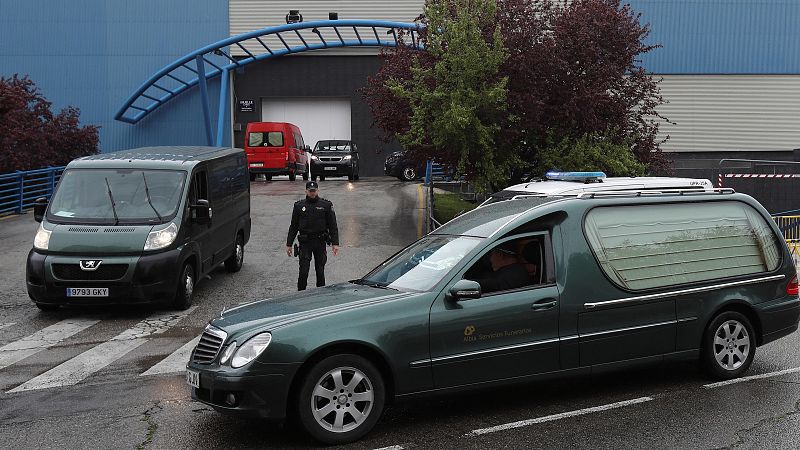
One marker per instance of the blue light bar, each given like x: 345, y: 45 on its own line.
x: 574, y: 176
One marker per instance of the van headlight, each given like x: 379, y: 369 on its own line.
x: 315, y: 157
x: 161, y: 238
x: 251, y: 349
x: 347, y: 157
x: 42, y: 239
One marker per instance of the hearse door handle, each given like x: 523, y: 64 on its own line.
x: 544, y: 304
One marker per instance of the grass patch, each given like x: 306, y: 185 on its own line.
x: 447, y: 206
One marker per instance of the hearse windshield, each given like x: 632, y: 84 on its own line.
x: 117, y: 196
x: 420, y: 266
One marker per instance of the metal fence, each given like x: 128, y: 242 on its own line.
x: 19, y: 190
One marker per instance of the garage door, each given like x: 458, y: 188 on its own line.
x: 318, y: 118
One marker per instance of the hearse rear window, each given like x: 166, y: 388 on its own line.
x: 652, y: 246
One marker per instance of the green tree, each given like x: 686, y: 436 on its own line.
x: 459, y: 103
x: 589, y: 152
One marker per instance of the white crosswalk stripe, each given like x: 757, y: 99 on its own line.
x: 89, y: 362
x: 42, y: 339
x: 174, y: 363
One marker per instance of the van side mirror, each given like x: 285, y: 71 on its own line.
x: 202, y: 212
x: 39, y: 207
x: 464, y: 290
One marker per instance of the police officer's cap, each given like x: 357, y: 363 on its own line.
x: 312, y: 185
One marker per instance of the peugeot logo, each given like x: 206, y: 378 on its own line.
x: 90, y: 264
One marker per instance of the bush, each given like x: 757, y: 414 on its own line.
x: 589, y: 152
x: 31, y: 137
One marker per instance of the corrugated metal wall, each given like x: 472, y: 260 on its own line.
x: 722, y: 36
x: 731, y: 112
x: 94, y: 53
x: 249, y: 15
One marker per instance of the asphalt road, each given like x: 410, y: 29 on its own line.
x: 107, y: 379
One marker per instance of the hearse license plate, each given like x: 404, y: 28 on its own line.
x: 87, y: 292
x: 330, y: 168
x: 257, y: 165
x: 193, y: 378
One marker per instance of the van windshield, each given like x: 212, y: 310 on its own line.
x: 84, y: 196
x: 332, y: 146
x: 266, y: 139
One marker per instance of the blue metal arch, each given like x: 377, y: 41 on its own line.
x: 212, y: 61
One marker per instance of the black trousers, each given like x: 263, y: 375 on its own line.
x: 316, y: 248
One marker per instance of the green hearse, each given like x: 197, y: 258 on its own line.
x: 140, y: 226
x: 613, y: 280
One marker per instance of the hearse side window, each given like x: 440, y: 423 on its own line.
x: 652, y: 246
x: 511, y: 265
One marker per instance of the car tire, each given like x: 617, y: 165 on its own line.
x: 409, y: 173
x: 184, y: 295
x: 322, y: 178
x: 292, y: 176
x: 331, y: 420
x: 729, y: 345
x: 234, y: 263
x: 305, y: 176
x: 268, y: 177
x: 350, y: 176
x: 355, y: 177
x: 47, y: 307
x: 253, y: 176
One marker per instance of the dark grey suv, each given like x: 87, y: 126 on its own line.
x: 335, y: 158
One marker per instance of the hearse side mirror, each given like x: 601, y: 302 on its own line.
x: 464, y: 290
x: 39, y: 207
x: 202, y: 212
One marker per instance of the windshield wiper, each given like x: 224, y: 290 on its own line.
x: 150, y: 202
x: 113, y: 205
x: 374, y: 284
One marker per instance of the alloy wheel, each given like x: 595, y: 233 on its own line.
x: 731, y: 345
x: 342, y: 399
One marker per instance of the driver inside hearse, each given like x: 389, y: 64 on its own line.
x: 510, y: 265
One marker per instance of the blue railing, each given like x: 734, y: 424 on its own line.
x: 19, y: 190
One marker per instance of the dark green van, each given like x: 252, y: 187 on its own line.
x: 140, y: 226
x: 564, y: 286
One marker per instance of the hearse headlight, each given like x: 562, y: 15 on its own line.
x: 347, y: 157
x: 251, y: 349
x: 161, y: 238
x: 42, y: 239
x: 226, y: 355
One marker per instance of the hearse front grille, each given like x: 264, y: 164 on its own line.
x: 105, y: 272
x: 209, y: 346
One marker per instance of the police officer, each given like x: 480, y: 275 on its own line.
x: 313, y: 218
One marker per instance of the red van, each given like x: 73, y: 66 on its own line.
x: 275, y: 148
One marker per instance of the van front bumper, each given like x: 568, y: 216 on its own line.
x: 261, y: 395
x: 148, y: 279
x: 332, y: 169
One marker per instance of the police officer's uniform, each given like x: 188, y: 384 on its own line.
x: 315, y: 222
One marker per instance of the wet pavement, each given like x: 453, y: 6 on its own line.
x: 125, y: 404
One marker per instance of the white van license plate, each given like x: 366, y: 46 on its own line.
x: 87, y: 292
x: 193, y: 378
x: 330, y: 168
